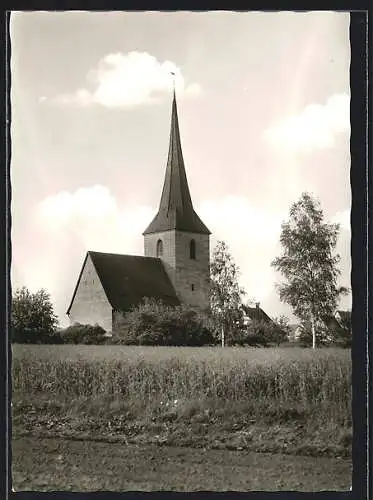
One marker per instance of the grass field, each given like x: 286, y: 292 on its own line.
x: 292, y: 401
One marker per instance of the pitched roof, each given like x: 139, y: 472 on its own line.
x: 339, y: 320
x: 344, y: 315
x: 257, y: 313
x: 176, y: 207
x: 127, y: 279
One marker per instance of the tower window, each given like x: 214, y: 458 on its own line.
x: 192, y: 249
x: 192, y: 288
x: 159, y: 248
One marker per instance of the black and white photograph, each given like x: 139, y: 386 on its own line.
x: 181, y: 251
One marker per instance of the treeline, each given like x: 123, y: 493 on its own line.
x: 151, y: 323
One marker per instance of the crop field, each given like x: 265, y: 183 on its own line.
x: 292, y: 401
x: 278, y: 376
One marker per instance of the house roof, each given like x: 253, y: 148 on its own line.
x: 344, y: 315
x: 257, y: 313
x: 176, y: 208
x: 338, y: 320
x: 127, y: 279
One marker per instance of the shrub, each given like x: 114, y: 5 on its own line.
x: 153, y: 323
x: 260, y: 333
x: 32, y: 318
x: 83, y: 334
x: 323, y: 334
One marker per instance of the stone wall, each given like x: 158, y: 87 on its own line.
x: 190, y: 277
x: 90, y: 304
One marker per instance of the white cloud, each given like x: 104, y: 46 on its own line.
x: 94, y: 219
x: 65, y: 226
x: 252, y: 236
x: 315, y: 128
x: 124, y: 80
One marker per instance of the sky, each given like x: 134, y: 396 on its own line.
x: 263, y: 102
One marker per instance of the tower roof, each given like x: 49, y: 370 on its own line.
x: 176, y: 207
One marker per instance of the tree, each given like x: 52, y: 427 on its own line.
x: 32, y: 317
x: 281, y: 330
x: 259, y: 332
x: 341, y: 333
x: 154, y: 323
x: 226, y: 294
x: 308, y: 264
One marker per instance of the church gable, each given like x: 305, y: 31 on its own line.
x: 90, y: 304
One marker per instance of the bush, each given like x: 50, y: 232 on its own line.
x: 260, y: 333
x: 83, y: 334
x: 153, y: 323
x: 32, y: 318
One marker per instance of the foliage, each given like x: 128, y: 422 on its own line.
x: 32, y: 318
x: 308, y: 264
x: 263, y: 333
x: 282, y: 332
x: 322, y: 333
x: 153, y: 323
x: 342, y: 334
x: 329, y: 332
x: 226, y: 294
x: 83, y: 334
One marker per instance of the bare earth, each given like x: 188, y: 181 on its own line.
x: 70, y: 465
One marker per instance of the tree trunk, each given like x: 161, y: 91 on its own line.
x: 313, y: 332
x: 222, y: 337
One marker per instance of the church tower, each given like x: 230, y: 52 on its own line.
x: 176, y: 234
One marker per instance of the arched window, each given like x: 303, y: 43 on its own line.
x: 192, y: 249
x: 159, y: 248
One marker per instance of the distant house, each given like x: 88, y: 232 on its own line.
x: 175, y: 267
x: 340, y: 320
x: 255, y: 313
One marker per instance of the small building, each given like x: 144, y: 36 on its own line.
x: 175, y: 267
x: 255, y: 314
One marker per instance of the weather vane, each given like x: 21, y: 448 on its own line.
x: 173, y: 79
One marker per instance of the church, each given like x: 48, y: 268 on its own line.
x: 175, y: 267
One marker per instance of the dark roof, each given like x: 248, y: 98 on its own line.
x: 337, y: 322
x: 176, y: 208
x: 345, y: 315
x: 256, y: 313
x: 127, y: 279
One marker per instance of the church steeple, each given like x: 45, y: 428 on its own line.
x: 176, y: 209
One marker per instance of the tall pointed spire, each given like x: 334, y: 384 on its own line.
x: 176, y: 208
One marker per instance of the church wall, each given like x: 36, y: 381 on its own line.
x: 168, y: 258
x: 90, y: 305
x: 181, y: 269
x: 194, y: 272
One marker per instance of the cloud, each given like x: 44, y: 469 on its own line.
x: 65, y: 226
x: 252, y: 236
x: 126, y: 80
x: 92, y: 217
x: 317, y: 127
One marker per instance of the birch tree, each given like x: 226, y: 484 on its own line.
x: 226, y: 294
x: 308, y: 263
